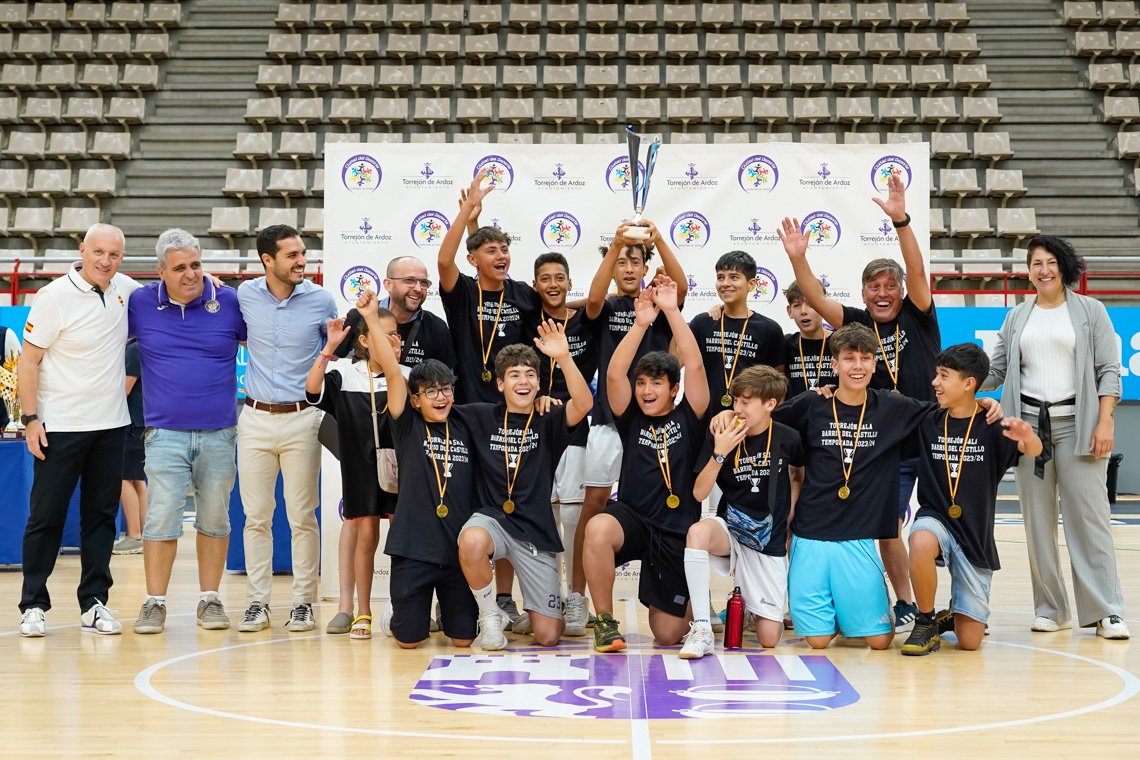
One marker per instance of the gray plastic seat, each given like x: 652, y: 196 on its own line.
x: 112, y: 146
x: 848, y: 77
x: 362, y: 46
x: 765, y: 77
x: 330, y: 15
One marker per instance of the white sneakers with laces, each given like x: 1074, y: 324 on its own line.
x: 577, y: 614
x: 1112, y: 627
x: 100, y: 620
x: 1048, y: 625
x: 32, y: 624
x: 699, y: 641
x: 491, y: 625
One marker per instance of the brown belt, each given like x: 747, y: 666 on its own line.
x: 261, y: 406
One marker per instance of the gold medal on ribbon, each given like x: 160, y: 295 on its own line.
x: 954, y: 479
x: 818, y: 365
x: 508, y: 506
x: 955, y: 511
x: 441, y: 510
x: 847, y: 462
x: 673, y: 501
x: 487, y: 348
x: 486, y: 376
x: 726, y: 400
x: 729, y: 369
x: 895, y: 390
x: 892, y: 371
x: 844, y: 492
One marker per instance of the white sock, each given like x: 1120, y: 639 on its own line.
x: 160, y: 599
x: 569, y: 514
x: 697, y: 575
x: 486, y: 599
x: 207, y: 594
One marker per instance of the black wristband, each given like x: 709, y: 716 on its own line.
x: 903, y: 223
x: 26, y: 418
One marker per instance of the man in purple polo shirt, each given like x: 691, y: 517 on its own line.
x: 188, y: 333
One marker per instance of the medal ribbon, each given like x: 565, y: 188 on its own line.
x: 767, y: 451
x: 953, y: 483
x: 552, y: 362
x: 818, y: 364
x: 839, y: 435
x: 506, y: 446
x: 441, y: 482
x: 893, y: 372
x: 663, y: 457
x: 487, y: 349
x: 739, y: 342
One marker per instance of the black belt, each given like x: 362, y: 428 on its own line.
x: 1044, y: 430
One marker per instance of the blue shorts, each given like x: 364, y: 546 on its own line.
x: 969, y: 585
x: 908, y: 474
x: 837, y: 586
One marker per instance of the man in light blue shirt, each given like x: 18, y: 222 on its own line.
x: 286, y: 318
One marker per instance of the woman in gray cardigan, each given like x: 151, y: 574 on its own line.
x: 1059, y: 360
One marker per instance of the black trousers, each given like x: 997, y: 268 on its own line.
x: 97, y: 457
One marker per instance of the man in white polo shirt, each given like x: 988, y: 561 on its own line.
x: 71, y: 391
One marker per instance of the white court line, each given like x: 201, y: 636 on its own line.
x: 735, y: 667
x: 677, y: 669
x: 639, y: 728
x: 794, y: 668
x: 1130, y: 689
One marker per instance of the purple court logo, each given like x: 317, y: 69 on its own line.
x: 758, y: 174
x: 887, y: 167
x: 357, y: 280
x: 619, y: 177
x: 766, y: 286
x: 821, y: 229
x: 361, y: 174
x: 499, y: 173
x: 690, y: 230
x: 429, y: 228
x: 560, y: 231
x: 633, y: 687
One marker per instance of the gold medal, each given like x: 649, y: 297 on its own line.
x: 487, y: 348
x: 844, y: 492
x: 726, y: 400
x: 441, y: 510
x: 894, y: 390
x: 486, y: 375
x: 508, y: 506
x: 955, y: 511
x: 673, y: 501
x: 954, y: 476
x: 847, y: 462
x: 730, y: 366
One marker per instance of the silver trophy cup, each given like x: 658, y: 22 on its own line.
x: 640, y: 183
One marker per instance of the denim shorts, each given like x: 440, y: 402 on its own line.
x: 179, y: 462
x: 969, y: 585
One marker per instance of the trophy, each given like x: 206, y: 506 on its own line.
x: 9, y: 392
x: 640, y: 187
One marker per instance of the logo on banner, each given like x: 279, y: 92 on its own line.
x: 753, y: 234
x: 766, y: 286
x: 821, y: 228
x: 825, y: 178
x: 632, y: 688
x: 835, y: 291
x: 559, y: 179
x: 883, y: 235
x: 357, y: 280
x: 691, y: 179
x: 758, y: 174
x: 427, y: 178
x: 698, y: 292
x: 499, y: 173
x: 690, y: 230
x: 429, y: 228
x: 619, y: 177
x: 560, y: 231
x: 365, y: 233
x: 887, y: 167
x: 361, y: 174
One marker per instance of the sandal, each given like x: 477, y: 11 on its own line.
x: 361, y: 627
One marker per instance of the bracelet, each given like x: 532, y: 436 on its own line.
x: 325, y: 358
x: 903, y: 223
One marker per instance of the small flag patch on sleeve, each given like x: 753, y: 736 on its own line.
x: 28, y: 327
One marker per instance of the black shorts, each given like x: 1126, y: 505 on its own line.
x: 412, y: 583
x: 662, y: 554
x: 134, y: 454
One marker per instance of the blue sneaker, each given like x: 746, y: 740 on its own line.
x: 905, y: 613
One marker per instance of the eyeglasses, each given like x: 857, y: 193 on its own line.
x: 431, y: 394
x: 411, y: 282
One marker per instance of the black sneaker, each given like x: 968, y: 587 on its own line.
x: 944, y: 619
x: 607, y: 637
x: 923, y: 639
x: 904, y: 614
x: 302, y: 619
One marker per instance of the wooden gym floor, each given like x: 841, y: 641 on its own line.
x: 220, y: 693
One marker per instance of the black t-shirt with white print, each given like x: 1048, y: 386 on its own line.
x: 642, y: 484
x: 743, y: 479
x: 417, y: 531
x: 344, y: 395
x: 614, y: 321
x: 521, y: 306
x: 433, y: 341
x: 762, y: 343
x: 819, y: 371
x: 988, y: 455
x: 496, y: 453
x: 583, y: 336
x: 871, y: 509
x: 920, y: 342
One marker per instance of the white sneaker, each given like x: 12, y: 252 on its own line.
x: 100, y: 620
x: 32, y: 624
x: 256, y: 618
x: 577, y: 614
x: 1111, y: 627
x: 1048, y: 625
x: 386, y: 619
x: 491, y: 625
x: 699, y: 641
x: 522, y: 624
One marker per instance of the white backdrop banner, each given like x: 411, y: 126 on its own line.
x: 388, y: 200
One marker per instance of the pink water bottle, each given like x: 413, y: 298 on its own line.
x: 734, y: 621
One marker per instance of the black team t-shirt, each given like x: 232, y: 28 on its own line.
x: 988, y: 455
x: 583, y: 336
x: 613, y: 322
x: 521, y: 306
x: 417, y: 531
x: 762, y: 343
x: 919, y: 342
x: 743, y: 479
x: 819, y: 368
x: 495, y: 451
x: 642, y: 484
x: 871, y: 509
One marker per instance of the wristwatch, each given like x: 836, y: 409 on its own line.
x: 903, y: 223
x: 26, y: 418
x: 718, y: 458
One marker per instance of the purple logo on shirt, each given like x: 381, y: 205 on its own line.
x: 690, y: 230
x: 633, y: 687
x: 429, y: 228
x: 361, y: 174
x: 357, y: 280
x: 821, y: 229
x: 499, y: 173
x: 766, y: 286
x: 887, y: 167
x: 560, y: 231
x: 758, y: 174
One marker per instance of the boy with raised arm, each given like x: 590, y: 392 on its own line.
x: 655, y: 505
x: 807, y: 362
x: 962, y: 461
x: 513, y: 518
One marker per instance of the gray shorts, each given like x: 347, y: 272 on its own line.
x: 537, y: 571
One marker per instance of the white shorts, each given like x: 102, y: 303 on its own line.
x: 763, y: 579
x: 603, y: 452
x: 569, y: 478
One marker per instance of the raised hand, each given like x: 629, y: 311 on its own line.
x: 551, y: 339
x: 895, y: 204
x: 795, y: 243
x: 367, y: 304
x: 729, y: 436
x: 993, y: 409
x: 473, y: 196
x: 651, y: 228
x: 1017, y: 429
x: 665, y: 293
x: 336, y: 333
x: 644, y: 309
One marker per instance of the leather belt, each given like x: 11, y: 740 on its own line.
x: 261, y: 406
